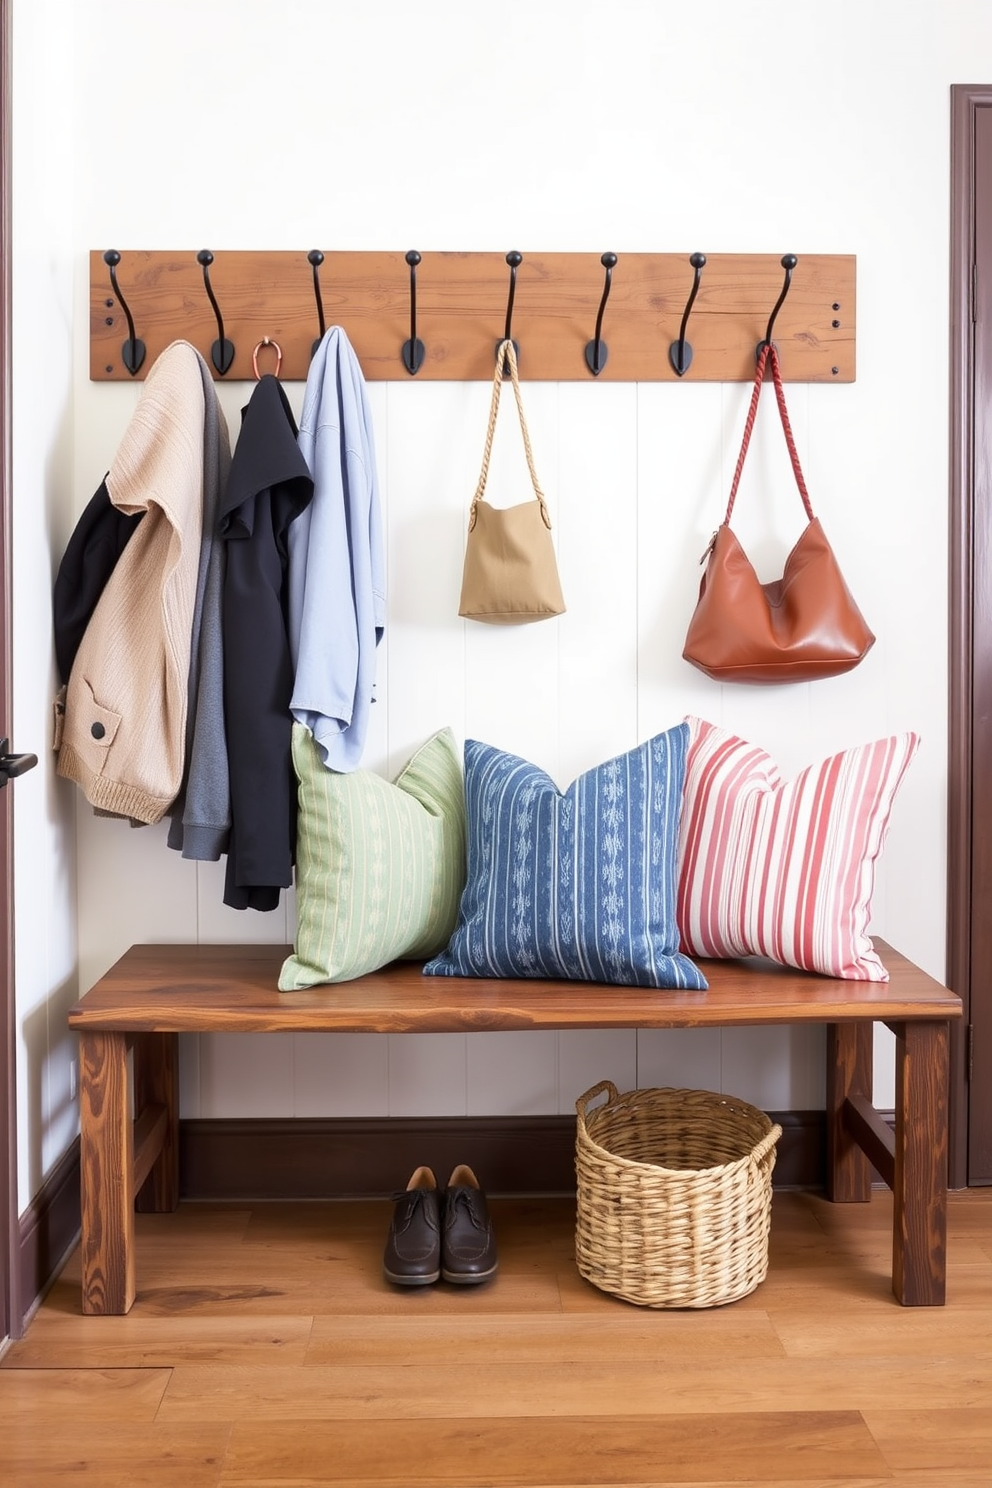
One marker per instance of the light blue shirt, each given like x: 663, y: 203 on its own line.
x: 336, y: 579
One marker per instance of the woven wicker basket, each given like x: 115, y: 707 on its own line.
x: 674, y: 1195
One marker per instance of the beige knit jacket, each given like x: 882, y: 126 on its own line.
x: 124, y: 723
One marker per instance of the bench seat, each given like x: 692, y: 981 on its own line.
x: 155, y: 992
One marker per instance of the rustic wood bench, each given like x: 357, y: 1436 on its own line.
x: 156, y: 992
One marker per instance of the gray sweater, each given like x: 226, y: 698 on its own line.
x: 201, y: 812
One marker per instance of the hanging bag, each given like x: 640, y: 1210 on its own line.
x: 510, y: 575
x: 798, y: 628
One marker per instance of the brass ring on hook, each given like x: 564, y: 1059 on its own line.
x: 266, y: 341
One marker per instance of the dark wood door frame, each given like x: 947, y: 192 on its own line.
x: 10, y: 1318
x: 970, y: 626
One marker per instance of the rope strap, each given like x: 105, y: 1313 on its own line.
x: 769, y: 354
x: 505, y: 353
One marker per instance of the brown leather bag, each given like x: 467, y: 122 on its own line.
x: 798, y: 628
x: 510, y: 575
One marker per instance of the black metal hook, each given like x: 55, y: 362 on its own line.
x: 514, y: 259
x: 413, y: 351
x: 597, y: 350
x: 133, y: 350
x: 680, y: 352
x: 789, y: 262
x: 315, y: 258
x: 222, y: 351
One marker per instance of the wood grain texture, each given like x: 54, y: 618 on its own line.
x: 872, y: 1134
x: 849, y: 1072
x: 149, y: 1137
x: 50, y: 1396
x: 106, y: 1173
x: 548, y: 1340
x: 908, y: 1333
x: 205, y: 988
x: 461, y: 313
x: 128, y: 1343
x: 920, y: 1187
x: 588, y: 1387
x: 549, y: 1452
x: 113, y: 1454
x: 536, y: 1381
x: 936, y: 1445
x: 157, y: 1087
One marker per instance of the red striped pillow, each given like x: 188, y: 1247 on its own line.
x: 784, y: 869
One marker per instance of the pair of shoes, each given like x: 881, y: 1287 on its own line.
x: 435, y: 1234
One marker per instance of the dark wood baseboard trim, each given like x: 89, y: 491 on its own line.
x: 287, y: 1159
x: 801, y: 1156
x: 48, y: 1229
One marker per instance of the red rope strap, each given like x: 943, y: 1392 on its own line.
x: 768, y: 353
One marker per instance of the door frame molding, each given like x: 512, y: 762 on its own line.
x: 11, y: 1321
x: 966, y: 99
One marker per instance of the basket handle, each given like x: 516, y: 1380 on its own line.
x: 582, y: 1104
x: 765, y: 1145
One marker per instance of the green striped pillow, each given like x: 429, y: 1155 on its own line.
x: 380, y: 867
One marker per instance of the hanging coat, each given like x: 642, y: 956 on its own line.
x: 336, y: 569
x: 269, y: 485
x: 121, y: 732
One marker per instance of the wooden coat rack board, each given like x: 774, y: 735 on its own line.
x: 461, y: 309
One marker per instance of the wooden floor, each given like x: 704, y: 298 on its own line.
x: 265, y: 1349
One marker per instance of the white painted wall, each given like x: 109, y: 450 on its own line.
x: 642, y: 126
x: 45, y: 914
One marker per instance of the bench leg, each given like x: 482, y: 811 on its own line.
x: 156, y: 1088
x: 849, y: 1073
x: 107, y: 1174
x: 919, y: 1239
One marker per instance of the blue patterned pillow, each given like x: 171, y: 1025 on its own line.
x: 579, y: 885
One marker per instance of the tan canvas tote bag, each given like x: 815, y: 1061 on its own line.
x: 510, y: 575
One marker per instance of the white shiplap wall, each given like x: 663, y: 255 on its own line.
x: 636, y: 476
x: 541, y: 125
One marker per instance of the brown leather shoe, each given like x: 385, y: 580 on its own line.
x: 468, y: 1246
x: 413, y: 1246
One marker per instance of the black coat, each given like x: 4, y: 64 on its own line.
x: 269, y: 484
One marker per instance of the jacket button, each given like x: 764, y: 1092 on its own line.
x: 97, y: 730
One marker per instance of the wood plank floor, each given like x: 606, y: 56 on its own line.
x: 265, y: 1349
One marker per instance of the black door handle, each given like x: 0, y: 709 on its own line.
x: 14, y: 764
